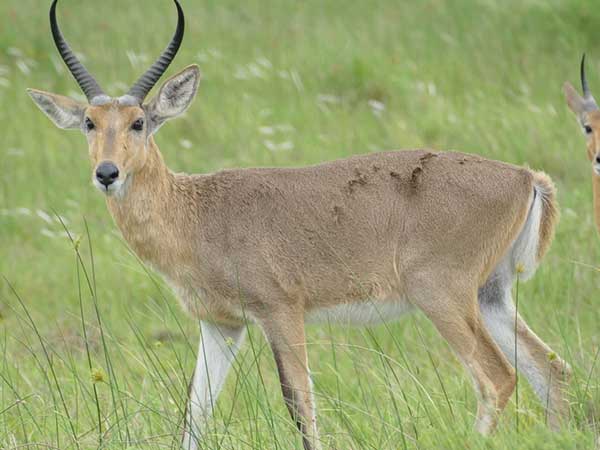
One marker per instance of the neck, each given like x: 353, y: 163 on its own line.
x: 596, y: 187
x: 144, y: 212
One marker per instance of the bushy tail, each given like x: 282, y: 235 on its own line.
x: 538, y: 231
x: 546, y: 190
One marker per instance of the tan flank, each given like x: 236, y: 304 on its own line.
x: 357, y: 241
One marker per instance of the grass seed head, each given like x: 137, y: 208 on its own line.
x: 98, y: 376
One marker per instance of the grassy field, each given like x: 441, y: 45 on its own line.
x: 95, y: 350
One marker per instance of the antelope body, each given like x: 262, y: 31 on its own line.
x: 359, y: 240
x: 588, y: 114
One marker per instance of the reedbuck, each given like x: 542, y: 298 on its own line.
x: 355, y: 241
x: 588, y: 114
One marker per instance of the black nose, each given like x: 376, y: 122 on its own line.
x: 598, y: 159
x: 107, y: 173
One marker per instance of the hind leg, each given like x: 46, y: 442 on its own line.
x: 546, y: 372
x: 455, y: 314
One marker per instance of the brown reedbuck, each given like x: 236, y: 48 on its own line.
x: 357, y: 241
x: 588, y: 114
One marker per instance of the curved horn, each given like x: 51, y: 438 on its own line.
x: 590, y: 102
x: 86, y: 81
x: 147, y: 81
x: 584, y: 84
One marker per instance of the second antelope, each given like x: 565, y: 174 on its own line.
x: 356, y: 241
x: 587, y: 112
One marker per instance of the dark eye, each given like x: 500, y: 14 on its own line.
x: 89, y: 125
x: 138, y: 125
x: 588, y: 129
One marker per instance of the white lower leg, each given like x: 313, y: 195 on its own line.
x: 500, y: 321
x: 313, y: 415
x: 217, y: 350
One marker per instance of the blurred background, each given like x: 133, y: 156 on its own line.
x: 95, y: 351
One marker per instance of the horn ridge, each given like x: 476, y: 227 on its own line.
x: 584, y: 83
x: 147, y: 81
x: 589, y: 101
x: 85, y: 80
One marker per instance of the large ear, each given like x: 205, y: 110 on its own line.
x: 574, y: 100
x: 174, y: 97
x: 64, y: 112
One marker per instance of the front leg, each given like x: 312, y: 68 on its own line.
x: 218, y: 347
x: 285, y: 333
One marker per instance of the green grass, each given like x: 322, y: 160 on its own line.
x: 475, y: 75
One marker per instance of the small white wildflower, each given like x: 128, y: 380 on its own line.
x: 136, y: 59
x: 44, y: 216
x: 185, y: 143
x: 448, y: 38
x: 264, y: 62
x: 431, y: 89
x: 328, y: 98
x: 241, y: 73
x: 255, y: 70
x: 283, y: 146
x: 23, y: 211
x: 377, y: 107
x: 569, y: 212
x: 23, y: 67
x: 14, y: 51
x: 215, y: 53
x: 80, y: 56
x: 297, y: 80
x: 285, y: 128
x: 270, y: 145
x: 46, y: 232
x: 266, y: 130
x: 286, y: 145
x: 57, y: 64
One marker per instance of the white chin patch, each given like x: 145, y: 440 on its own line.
x: 597, y: 169
x: 117, y: 188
